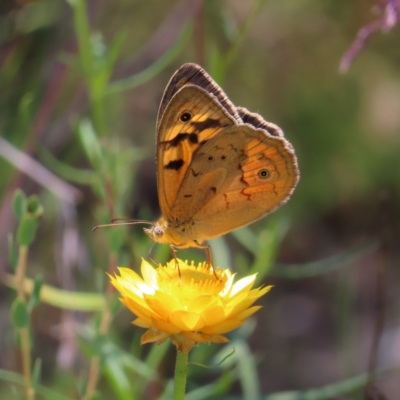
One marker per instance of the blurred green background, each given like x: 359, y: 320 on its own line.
x: 278, y: 58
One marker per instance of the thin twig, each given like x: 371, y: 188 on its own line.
x: 24, y: 332
x: 38, y: 173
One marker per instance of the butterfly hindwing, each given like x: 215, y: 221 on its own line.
x: 237, y: 177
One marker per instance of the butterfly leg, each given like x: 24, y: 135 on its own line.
x: 173, y: 251
x: 150, y: 256
x: 209, y: 258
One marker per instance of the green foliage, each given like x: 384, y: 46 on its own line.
x: 90, y: 144
x: 12, y: 252
x: 20, y: 314
x: 27, y: 230
x: 34, y: 298
x: 19, y: 204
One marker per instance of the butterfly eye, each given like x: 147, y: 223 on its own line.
x: 158, y: 231
x: 263, y: 173
x: 185, y: 117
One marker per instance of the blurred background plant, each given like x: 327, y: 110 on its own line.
x: 80, y: 84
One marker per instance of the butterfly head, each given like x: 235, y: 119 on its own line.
x: 156, y: 232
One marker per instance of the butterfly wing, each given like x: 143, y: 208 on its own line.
x: 193, y: 74
x: 191, y: 118
x: 219, y: 167
x: 235, y: 178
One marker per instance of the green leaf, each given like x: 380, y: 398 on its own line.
x: 65, y: 171
x: 105, y: 67
x: 113, y: 53
x: 27, y: 230
x: 324, y: 393
x: 155, y: 68
x: 19, y: 203
x: 36, y: 372
x: 217, y: 65
x: 34, y: 300
x: 66, y: 300
x: 90, y: 143
x: 247, y: 370
x: 269, y: 242
x: 44, y: 392
x: 20, y: 314
x: 118, y: 378
x: 12, y: 252
x: 341, y: 260
x: 34, y: 207
x: 82, y: 30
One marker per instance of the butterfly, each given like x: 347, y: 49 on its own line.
x: 219, y: 167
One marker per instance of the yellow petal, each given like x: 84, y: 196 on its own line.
x: 130, y: 281
x: 152, y: 335
x: 141, y: 322
x: 214, y: 315
x: 223, y: 327
x: 219, y: 339
x: 246, y: 313
x: 149, y: 274
x: 200, y: 303
x: 162, y: 304
x: 243, y: 285
x: 186, y: 321
x: 228, y: 286
x: 136, y: 308
x: 166, y: 327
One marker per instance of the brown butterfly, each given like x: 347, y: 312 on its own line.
x: 219, y: 167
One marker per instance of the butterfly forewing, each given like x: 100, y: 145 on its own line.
x: 191, y: 119
x: 193, y: 74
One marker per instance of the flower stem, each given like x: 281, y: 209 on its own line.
x: 181, y: 368
x: 24, y: 332
x: 106, y: 316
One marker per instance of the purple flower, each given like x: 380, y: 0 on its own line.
x: 389, y: 16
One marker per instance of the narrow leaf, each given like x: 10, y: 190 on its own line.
x: 20, y: 314
x: 12, y: 252
x: 90, y: 143
x: 19, y: 203
x: 34, y: 300
x: 27, y: 230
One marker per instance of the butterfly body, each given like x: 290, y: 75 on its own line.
x: 220, y: 167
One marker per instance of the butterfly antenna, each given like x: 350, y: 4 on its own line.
x: 126, y: 222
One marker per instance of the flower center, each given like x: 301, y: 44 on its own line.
x: 191, y: 281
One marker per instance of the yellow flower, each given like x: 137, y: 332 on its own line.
x: 195, y: 305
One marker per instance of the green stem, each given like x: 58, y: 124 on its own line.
x: 106, y: 317
x: 24, y: 332
x: 181, y: 368
x: 244, y: 30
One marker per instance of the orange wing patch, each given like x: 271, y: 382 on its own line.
x: 189, y: 121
